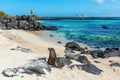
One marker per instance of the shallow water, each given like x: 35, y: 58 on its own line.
x: 89, y: 32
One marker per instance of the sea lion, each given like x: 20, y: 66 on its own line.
x: 52, y: 56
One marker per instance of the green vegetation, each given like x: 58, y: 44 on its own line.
x: 3, y: 14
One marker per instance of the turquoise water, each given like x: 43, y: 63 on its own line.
x: 89, y: 32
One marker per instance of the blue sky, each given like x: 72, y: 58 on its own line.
x: 62, y: 7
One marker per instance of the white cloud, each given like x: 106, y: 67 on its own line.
x: 102, y: 1
x: 112, y: 0
x: 99, y: 1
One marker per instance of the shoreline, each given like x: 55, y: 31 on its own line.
x: 56, y: 39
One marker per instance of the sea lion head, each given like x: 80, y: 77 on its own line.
x: 51, y: 49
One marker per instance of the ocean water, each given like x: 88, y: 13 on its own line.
x: 89, y: 32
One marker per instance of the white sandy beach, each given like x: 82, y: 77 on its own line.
x: 12, y: 58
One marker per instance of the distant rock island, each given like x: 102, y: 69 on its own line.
x: 79, y: 18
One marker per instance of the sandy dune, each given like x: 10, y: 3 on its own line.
x: 12, y: 58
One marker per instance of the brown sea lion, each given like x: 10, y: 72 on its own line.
x: 52, y: 56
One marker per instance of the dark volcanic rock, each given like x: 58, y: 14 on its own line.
x: 69, y: 54
x: 105, y: 27
x: 97, y: 61
x: 112, y: 54
x: 90, y: 68
x: 115, y: 64
x: 83, y: 59
x: 77, y: 57
x: 111, y: 49
x: 52, y: 56
x: 61, y: 62
x: 72, y: 56
x: 59, y: 42
x: 97, y: 53
x: 23, y: 22
x: 73, y: 46
x: 110, y: 61
x: 51, y: 35
x: 108, y: 52
x: 68, y: 50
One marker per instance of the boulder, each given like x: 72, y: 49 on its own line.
x: 83, y: 59
x: 51, y: 35
x: 73, y: 46
x: 97, y: 61
x: 52, y: 56
x: 13, y: 24
x: 35, y: 67
x: 115, y: 64
x: 72, y: 56
x: 77, y: 57
x: 112, y: 54
x: 97, y: 53
x: 68, y: 50
x: 59, y: 42
x: 22, y: 24
x: 90, y: 68
x: 111, y: 49
x: 32, y: 19
x: 60, y: 62
x: 105, y: 27
x: 3, y: 27
x: 108, y: 52
x: 38, y: 67
x: 10, y: 72
x: 110, y: 61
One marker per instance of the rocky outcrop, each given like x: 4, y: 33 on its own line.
x: 70, y: 54
x: 108, y: 52
x: 90, y: 68
x: 38, y: 66
x: 23, y: 22
x: 112, y: 52
x: 35, y: 67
